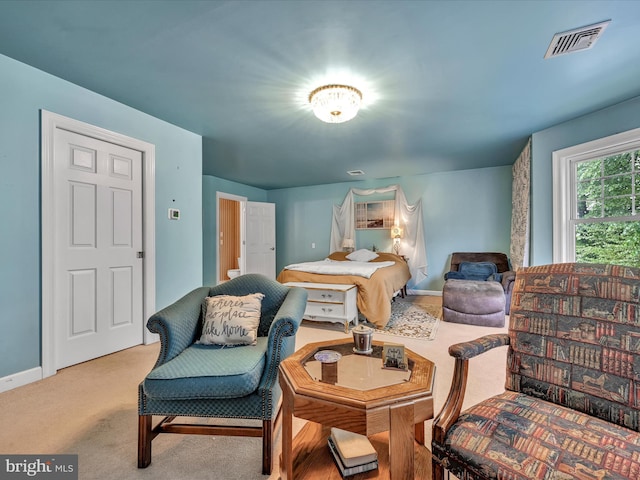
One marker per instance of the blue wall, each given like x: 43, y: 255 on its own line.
x: 609, y: 121
x: 463, y: 211
x: 211, y: 185
x: 23, y: 92
x: 466, y: 210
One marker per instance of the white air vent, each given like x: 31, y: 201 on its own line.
x: 575, y: 40
x: 355, y: 172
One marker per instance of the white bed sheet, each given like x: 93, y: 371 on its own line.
x: 336, y: 267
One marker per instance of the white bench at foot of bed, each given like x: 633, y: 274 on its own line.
x: 329, y: 302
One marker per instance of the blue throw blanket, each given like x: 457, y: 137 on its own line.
x: 475, y: 271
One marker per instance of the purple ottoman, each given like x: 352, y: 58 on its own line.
x: 473, y: 302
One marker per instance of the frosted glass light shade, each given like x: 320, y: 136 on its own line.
x: 335, y: 103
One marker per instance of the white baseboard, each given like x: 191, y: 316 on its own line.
x: 150, y: 338
x: 436, y: 293
x: 19, y: 379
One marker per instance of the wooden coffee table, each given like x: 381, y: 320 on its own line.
x: 358, y: 395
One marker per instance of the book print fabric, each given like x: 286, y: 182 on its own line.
x: 575, y: 339
x: 571, y: 409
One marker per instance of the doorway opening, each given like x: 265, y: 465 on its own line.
x: 228, y: 235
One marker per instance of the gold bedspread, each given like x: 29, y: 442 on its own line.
x: 374, y: 294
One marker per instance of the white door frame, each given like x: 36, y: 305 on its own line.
x: 49, y: 122
x: 242, y: 200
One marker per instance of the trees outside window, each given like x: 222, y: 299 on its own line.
x: 607, y: 220
x: 597, y: 201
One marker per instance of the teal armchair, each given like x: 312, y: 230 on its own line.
x: 239, y: 382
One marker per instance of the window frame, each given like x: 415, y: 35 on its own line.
x: 564, y: 186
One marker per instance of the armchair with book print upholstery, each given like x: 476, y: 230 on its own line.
x: 210, y: 366
x: 571, y: 407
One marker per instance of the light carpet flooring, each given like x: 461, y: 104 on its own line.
x: 91, y: 410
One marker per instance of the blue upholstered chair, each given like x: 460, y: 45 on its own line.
x: 474, y: 267
x: 236, y: 382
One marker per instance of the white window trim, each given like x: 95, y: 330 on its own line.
x: 563, y: 162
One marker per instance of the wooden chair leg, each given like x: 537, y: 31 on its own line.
x: 437, y: 472
x: 144, y: 440
x: 267, y: 452
x: 146, y: 435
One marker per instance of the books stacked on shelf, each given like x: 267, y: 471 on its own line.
x: 353, y: 453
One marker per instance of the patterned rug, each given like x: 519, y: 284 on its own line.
x: 412, y: 320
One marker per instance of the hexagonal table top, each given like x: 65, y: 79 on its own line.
x: 355, y: 379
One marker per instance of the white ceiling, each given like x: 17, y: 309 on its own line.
x: 448, y: 85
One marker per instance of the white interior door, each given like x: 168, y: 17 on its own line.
x: 98, y: 275
x: 260, y: 238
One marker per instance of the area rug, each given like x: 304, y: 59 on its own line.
x: 412, y: 320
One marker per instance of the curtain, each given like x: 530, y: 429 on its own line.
x: 520, y: 216
x: 408, y: 217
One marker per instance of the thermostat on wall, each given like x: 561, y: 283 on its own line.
x: 174, y: 214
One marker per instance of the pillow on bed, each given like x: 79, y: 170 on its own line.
x: 362, y: 255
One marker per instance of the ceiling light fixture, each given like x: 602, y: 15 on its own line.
x: 335, y: 103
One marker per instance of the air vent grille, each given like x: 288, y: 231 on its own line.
x: 576, y: 40
x: 355, y: 172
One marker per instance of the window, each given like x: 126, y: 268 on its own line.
x: 597, y: 201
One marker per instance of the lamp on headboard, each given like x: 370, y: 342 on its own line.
x: 396, y: 234
x: 348, y: 244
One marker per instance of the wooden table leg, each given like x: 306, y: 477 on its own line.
x: 286, y: 469
x: 420, y: 433
x: 401, y: 438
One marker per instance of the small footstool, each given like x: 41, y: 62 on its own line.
x: 473, y: 302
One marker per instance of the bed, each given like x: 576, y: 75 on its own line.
x: 374, y: 293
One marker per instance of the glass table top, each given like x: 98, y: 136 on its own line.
x: 355, y: 371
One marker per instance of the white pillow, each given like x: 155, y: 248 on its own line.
x: 230, y: 320
x: 362, y: 255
